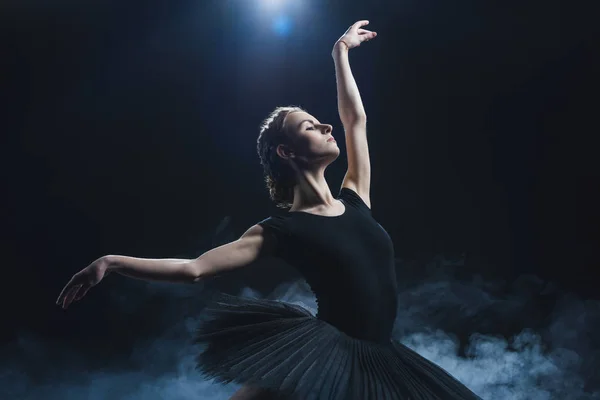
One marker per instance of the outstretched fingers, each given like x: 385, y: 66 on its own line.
x: 360, y: 23
x: 71, y: 295
x: 366, y: 35
x: 73, y: 290
x: 82, y: 291
x: 65, y: 290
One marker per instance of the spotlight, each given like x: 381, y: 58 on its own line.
x: 282, y: 25
x: 273, y: 4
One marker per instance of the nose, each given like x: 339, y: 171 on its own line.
x: 327, y: 128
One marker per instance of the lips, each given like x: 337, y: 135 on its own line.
x: 331, y: 139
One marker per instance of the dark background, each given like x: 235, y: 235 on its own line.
x: 130, y: 128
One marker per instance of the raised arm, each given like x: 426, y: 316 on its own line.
x: 352, y: 112
x: 252, y: 245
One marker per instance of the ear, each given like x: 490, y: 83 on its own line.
x: 284, y: 151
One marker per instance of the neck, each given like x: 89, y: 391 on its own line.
x: 312, y: 191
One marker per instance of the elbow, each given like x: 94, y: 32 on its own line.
x: 360, y: 118
x: 193, y: 271
x: 354, y: 119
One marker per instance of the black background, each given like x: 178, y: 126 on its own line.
x: 130, y: 128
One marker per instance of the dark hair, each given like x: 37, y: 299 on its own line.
x: 279, y: 176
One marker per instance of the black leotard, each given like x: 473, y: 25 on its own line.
x: 346, y: 351
x: 348, y: 261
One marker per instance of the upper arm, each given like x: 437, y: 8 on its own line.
x: 252, y: 245
x: 358, y: 175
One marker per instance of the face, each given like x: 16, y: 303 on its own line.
x: 309, y: 139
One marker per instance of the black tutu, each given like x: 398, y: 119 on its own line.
x: 283, y: 347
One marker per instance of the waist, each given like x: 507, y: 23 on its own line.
x: 371, y: 325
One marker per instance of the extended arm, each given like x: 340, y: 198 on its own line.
x: 248, y: 248
x: 151, y: 269
x: 352, y: 113
x: 242, y: 252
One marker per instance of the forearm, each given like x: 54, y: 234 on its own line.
x: 165, y: 269
x: 350, y: 106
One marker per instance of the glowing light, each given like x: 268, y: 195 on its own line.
x: 277, y: 18
x: 273, y: 4
x: 282, y: 25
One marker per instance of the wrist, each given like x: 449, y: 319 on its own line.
x: 109, y: 263
x: 340, y: 46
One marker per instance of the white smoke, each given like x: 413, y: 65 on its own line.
x: 527, y: 365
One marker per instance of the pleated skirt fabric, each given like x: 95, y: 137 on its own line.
x: 283, y: 347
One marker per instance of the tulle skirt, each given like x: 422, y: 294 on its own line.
x: 283, y: 347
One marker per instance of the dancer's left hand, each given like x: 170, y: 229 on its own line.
x: 355, y: 35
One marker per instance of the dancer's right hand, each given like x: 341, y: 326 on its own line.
x: 82, y: 281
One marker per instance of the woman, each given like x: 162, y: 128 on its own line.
x: 279, y: 350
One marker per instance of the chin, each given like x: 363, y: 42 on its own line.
x: 334, y: 156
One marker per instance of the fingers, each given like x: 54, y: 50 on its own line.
x: 65, y: 290
x: 70, y: 296
x: 72, y: 291
x: 358, y: 24
x: 366, y: 32
x: 367, y: 35
x: 82, y: 291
